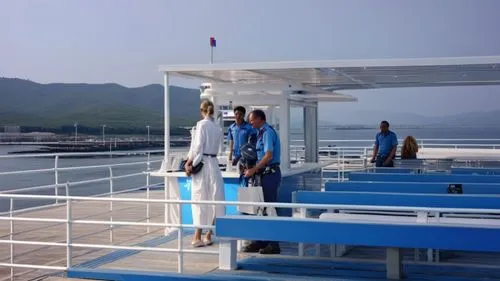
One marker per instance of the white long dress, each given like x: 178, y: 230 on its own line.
x: 207, y: 185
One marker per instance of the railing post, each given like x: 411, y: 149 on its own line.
x: 68, y: 227
x: 343, y: 165
x: 11, y: 237
x: 338, y: 165
x: 180, y: 234
x: 56, y: 176
x: 148, y: 214
x: 303, y: 214
x: 111, y: 204
x: 166, y: 195
x: 365, y: 155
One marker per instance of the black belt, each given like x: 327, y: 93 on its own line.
x: 269, y: 169
x: 210, y: 155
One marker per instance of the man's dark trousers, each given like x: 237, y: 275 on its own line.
x: 270, y: 186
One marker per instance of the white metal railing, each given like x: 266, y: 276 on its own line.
x: 56, y: 169
x: 70, y: 222
x: 297, y: 149
x: 345, y: 156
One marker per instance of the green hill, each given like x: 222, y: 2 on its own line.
x: 54, y: 106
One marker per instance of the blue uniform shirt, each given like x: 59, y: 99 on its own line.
x: 385, y: 142
x: 241, y: 135
x: 268, y: 140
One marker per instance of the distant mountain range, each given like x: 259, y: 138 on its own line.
x: 56, y: 105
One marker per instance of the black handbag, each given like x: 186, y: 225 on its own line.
x: 196, y: 169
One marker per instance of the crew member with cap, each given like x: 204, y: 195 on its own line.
x: 238, y: 134
x: 268, y: 166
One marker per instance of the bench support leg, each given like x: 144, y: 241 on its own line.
x: 340, y: 250
x: 394, y: 263
x: 227, y: 255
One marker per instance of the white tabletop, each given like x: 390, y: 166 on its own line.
x: 294, y: 170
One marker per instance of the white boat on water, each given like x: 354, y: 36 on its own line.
x: 145, y: 228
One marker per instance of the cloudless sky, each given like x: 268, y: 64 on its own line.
x: 124, y: 41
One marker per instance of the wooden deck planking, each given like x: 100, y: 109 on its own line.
x: 82, y: 233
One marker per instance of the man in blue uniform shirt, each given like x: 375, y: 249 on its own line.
x: 238, y: 134
x: 268, y: 166
x: 386, y: 144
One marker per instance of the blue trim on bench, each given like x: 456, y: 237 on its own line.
x: 394, y: 170
x: 399, y: 199
x: 368, y: 270
x: 432, y: 177
x: 411, y: 187
x: 355, y: 233
x: 475, y: 171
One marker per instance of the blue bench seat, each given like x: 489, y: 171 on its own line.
x: 430, y: 177
x: 398, y: 199
x: 411, y: 187
x: 392, y: 236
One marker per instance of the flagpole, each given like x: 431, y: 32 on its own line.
x: 212, y: 45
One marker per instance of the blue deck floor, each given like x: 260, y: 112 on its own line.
x: 281, y: 268
x: 287, y: 266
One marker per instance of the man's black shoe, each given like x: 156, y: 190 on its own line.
x: 252, y: 248
x: 270, y: 249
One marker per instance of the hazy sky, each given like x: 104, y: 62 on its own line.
x: 124, y: 41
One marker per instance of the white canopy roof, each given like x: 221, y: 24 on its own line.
x: 323, y: 77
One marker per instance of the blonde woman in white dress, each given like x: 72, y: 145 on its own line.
x: 206, y: 185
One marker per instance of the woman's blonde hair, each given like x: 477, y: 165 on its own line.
x: 207, y: 107
x: 409, y: 148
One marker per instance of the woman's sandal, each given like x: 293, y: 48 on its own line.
x: 197, y: 244
x: 207, y: 242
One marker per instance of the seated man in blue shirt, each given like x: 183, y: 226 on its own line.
x: 268, y: 166
x: 386, y: 144
x: 238, y: 134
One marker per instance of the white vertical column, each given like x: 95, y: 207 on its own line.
x: 284, y: 131
x: 311, y: 132
x: 166, y: 144
x: 166, y: 117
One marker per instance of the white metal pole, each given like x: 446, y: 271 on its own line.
x: 111, y: 204
x: 148, y: 212
x: 211, y: 54
x: 284, y: 131
x: 11, y: 236
x: 68, y: 228
x: 56, y: 175
x: 103, y: 136
x: 76, y: 133
x: 166, y: 141
x: 148, y: 132
x: 180, y: 234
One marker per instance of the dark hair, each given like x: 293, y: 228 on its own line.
x: 259, y: 114
x: 385, y: 123
x: 240, y: 109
